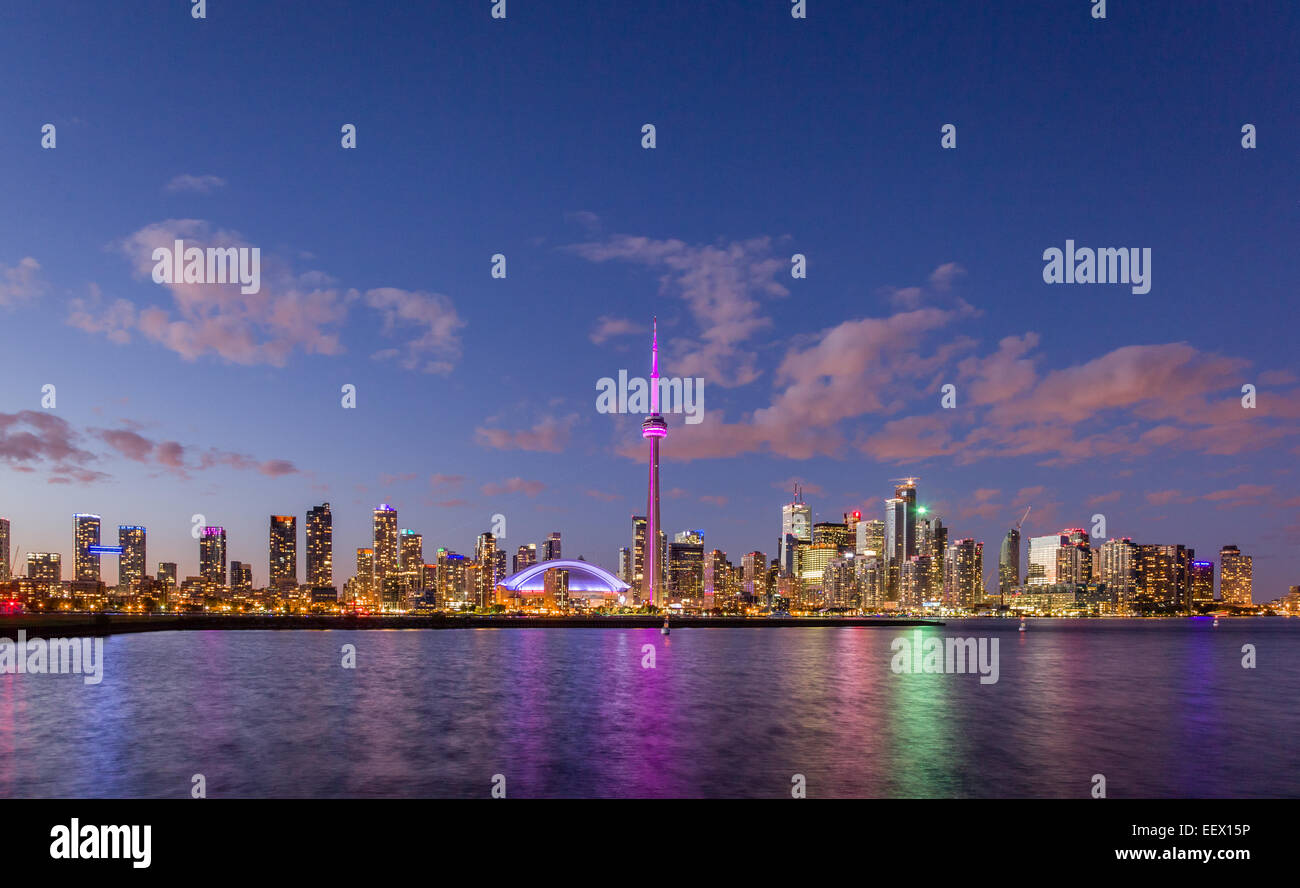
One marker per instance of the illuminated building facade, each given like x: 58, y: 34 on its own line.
x: 525, y: 556
x: 6, y: 565
x: 45, y: 567
x: 320, y: 546
x: 1235, y: 577
x: 283, y: 570
x: 212, y: 555
x: 85, y: 533
x: 1202, y: 582
x: 131, y: 564
x: 385, y: 544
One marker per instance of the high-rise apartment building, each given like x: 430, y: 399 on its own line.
x: 320, y: 546
x: 385, y: 544
x: 1235, y: 576
x: 85, y: 533
x: 212, y: 555
x: 131, y: 564
x: 283, y: 561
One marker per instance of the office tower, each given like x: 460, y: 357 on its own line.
x: 167, y: 572
x: 753, y: 568
x: 1119, y: 566
x: 320, y: 546
x: 689, y: 536
x: 45, y: 567
x: 900, y: 521
x: 241, y: 577
x: 526, y: 555
x: 1235, y: 577
x: 796, y: 523
x: 834, y: 533
x: 870, y: 538
x: 686, y: 570
x: 551, y: 547
x: 385, y: 544
x: 131, y: 563
x: 85, y: 533
x: 1043, y: 559
x: 429, y: 580
x: 624, y: 564
x: 6, y: 566
x: 366, y: 586
x: 851, y: 520
x: 813, y: 559
x: 283, y: 571
x: 1009, y: 563
x: 212, y: 555
x: 937, y: 535
x: 1202, y: 581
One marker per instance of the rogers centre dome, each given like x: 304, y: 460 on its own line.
x: 584, y: 577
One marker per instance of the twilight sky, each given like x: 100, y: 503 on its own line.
x: 774, y: 136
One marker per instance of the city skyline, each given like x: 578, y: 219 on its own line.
x: 474, y: 393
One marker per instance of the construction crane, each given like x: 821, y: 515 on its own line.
x: 1022, y: 519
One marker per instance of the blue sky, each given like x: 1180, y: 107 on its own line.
x: 775, y: 136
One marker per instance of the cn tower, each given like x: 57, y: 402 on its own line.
x: 653, y: 428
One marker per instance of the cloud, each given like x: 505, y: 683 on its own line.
x: 603, y: 496
x: 550, y: 435
x: 21, y: 283
x: 513, y: 485
x: 200, y: 184
x: 170, y: 455
x: 291, y: 313
x: 436, y: 345
x: 722, y: 286
x: 93, y: 316
x: 608, y: 327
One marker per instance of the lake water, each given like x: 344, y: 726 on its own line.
x: 1160, y: 708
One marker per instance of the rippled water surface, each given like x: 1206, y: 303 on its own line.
x: 1161, y: 708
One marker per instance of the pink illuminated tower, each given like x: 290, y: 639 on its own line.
x: 653, y: 428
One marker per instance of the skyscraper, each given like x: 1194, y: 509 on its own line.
x: 320, y: 546
x: 796, y: 522
x: 85, y: 533
x: 1235, y: 576
x: 551, y: 547
x: 1043, y: 559
x: 526, y: 555
x: 1009, y: 563
x: 6, y: 566
x: 1202, y: 581
x: 365, y: 578
x: 283, y: 570
x: 638, y: 557
x: 212, y: 555
x: 167, y: 572
x: 1119, y: 565
x: 653, y: 429
x: 385, y: 544
x: 131, y: 563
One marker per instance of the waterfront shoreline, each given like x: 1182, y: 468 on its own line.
x: 68, y: 625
